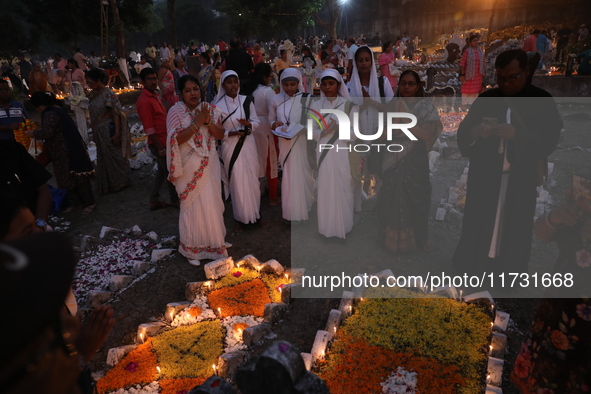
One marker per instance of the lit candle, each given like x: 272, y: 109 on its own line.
x: 461, y: 293
x: 490, y: 348
x: 335, y: 330
x: 215, y: 370
x: 286, y: 276
x: 220, y: 311
x: 322, y: 354
x: 158, y: 369
x: 171, y: 316
x: 142, y: 337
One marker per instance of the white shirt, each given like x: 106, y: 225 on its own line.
x: 165, y: 53
x: 351, y: 52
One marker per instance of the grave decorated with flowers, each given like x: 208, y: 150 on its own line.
x: 204, y: 336
x: 405, y: 341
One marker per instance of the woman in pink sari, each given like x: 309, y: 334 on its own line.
x: 166, y: 82
x: 386, y: 58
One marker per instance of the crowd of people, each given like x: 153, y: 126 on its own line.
x: 218, y: 128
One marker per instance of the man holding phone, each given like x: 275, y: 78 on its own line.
x: 508, y: 134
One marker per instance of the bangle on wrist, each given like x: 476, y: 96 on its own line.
x: 553, y: 227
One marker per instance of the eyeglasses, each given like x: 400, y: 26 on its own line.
x: 500, y: 79
x: 408, y: 83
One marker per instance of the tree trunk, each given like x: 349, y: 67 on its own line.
x: 121, y: 52
x: 172, y: 17
x: 334, y: 12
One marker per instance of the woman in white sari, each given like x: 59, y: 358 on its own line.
x: 368, y: 91
x: 297, y: 185
x: 239, y: 150
x: 335, y: 183
x: 194, y: 169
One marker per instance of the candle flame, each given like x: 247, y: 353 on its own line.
x: 286, y: 276
x: 158, y: 368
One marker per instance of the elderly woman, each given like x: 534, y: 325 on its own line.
x: 239, y: 150
x: 194, y: 169
x: 110, y: 133
x: 71, y: 164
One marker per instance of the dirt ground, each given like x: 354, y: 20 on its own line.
x: 146, y: 299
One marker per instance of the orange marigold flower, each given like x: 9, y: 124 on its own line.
x: 144, y: 372
x: 248, y: 298
x: 354, y: 366
x: 195, y: 311
x: 559, y: 340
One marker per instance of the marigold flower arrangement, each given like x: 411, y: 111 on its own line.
x: 189, y: 351
x: 179, y: 359
x: 424, y: 329
x: 248, y: 298
x: 139, y: 366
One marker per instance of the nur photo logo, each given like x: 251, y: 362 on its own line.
x: 387, y: 122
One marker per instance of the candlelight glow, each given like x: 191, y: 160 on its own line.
x: 158, y: 369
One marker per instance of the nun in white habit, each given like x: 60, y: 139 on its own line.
x: 297, y: 185
x: 334, y: 183
x: 239, y: 151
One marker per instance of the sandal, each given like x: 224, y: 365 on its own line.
x: 157, y: 205
x: 89, y: 209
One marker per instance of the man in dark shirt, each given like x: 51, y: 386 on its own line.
x: 25, y: 68
x: 240, y: 61
x: 563, y: 36
x: 153, y: 116
x: 22, y: 176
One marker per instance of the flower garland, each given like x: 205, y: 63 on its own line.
x: 189, y: 352
x: 138, y: 367
x: 248, y: 298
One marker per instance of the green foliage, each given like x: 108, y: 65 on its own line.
x: 265, y: 19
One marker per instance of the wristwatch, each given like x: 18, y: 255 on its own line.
x: 41, y: 223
